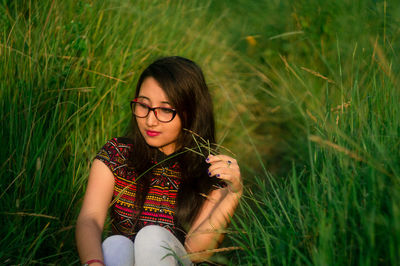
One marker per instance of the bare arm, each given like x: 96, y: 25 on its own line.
x: 90, y: 223
x: 208, y: 228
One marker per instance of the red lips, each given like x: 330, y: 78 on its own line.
x: 152, y: 133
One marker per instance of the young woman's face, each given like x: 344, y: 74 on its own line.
x: 157, y: 134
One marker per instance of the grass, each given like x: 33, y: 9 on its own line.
x: 305, y: 95
x: 337, y: 203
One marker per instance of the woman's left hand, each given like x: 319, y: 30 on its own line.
x: 227, y: 169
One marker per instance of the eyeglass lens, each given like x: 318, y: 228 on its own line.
x: 161, y: 113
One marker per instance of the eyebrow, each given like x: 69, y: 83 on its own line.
x: 147, y: 98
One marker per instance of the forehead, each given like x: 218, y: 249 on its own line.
x: 151, y: 90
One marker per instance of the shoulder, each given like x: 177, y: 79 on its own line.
x: 115, y: 152
x: 121, y: 146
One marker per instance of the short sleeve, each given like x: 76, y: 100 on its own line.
x: 114, y: 154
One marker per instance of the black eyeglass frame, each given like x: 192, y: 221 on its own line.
x: 154, y: 109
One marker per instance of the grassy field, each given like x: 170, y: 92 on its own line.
x: 306, y: 95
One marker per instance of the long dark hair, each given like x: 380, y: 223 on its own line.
x: 183, y: 82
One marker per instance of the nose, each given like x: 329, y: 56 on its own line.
x: 151, y: 119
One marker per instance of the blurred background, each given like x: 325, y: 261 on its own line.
x: 306, y: 95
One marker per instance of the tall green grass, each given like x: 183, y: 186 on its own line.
x: 342, y: 207
x: 309, y: 103
x: 68, y: 70
x: 332, y: 69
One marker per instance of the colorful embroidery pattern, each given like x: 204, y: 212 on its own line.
x: 160, y: 202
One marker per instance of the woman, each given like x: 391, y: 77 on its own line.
x: 170, y: 198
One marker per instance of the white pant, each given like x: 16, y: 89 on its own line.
x: 154, y: 245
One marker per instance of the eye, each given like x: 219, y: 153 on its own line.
x: 142, y: 104
x: 166, y: 110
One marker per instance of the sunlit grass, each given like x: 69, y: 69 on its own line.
x: 342, y: 206
x: 306, y: 97
x: 338, y: 114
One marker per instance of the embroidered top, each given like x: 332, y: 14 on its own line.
x: 160, y: 202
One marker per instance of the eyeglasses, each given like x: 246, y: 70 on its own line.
x: 163, y: 114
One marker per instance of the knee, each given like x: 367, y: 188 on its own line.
x: 118, y: 250
x: 117, y: 240
x: 152, y: 233
x: 155, y: 245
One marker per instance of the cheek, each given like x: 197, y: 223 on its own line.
x: 140, y: 123
x: 177, y: 132
x: 177, y: 127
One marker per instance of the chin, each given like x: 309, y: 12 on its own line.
x: 154, y: 144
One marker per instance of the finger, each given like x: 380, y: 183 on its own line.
x: 231, y: 175
x: 225, y: 173
x: 223, y: 170
x: 218, y: 158
x: 223, y: 164
x: 228, y: 178
x: 233, y: 183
